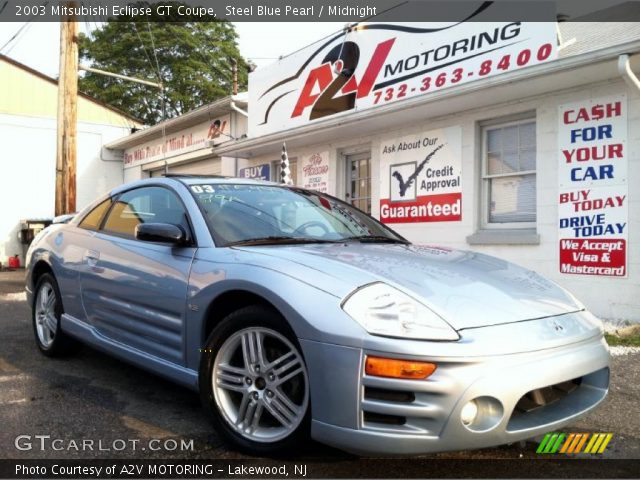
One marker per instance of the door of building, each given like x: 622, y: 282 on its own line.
x: 359, y: 180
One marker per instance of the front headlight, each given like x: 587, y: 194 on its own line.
x: 384, y: 310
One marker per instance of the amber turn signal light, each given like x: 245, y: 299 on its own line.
x: 395, y: 368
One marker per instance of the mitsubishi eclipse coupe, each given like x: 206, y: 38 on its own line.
x: 295, y: 314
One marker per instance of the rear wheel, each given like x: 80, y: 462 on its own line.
x: 254, y: 382
x: 46, y: 313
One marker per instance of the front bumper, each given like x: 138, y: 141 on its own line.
x: 365, y: 414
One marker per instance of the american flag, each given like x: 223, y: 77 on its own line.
x: 285, y: 171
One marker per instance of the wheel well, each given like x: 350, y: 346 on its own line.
x: 40, y: 268
x: 229, y: 302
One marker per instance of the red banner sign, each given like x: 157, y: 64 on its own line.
x: 593, y: 257
x: 446, y: 207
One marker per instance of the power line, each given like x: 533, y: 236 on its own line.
x: 14, y: 36
x: 153, y: 47
x: 29, y: 18
x: 89, y: 23
x: 156, y: 72
x: 11, y: 47
x: 162, y: 97
x: 86, y: 21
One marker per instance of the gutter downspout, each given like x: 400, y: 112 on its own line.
x: 624, y: 69
x: 235, y: 108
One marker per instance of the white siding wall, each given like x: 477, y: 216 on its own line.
x: 133, y: 173
x: 29, y: 155
x: 612, y: 298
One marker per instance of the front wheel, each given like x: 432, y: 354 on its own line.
x: 253, y: 381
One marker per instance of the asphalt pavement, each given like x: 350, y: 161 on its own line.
x: 93, y: 397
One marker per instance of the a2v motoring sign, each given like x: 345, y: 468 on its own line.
x: 375, y: 64
x: 593, y: 212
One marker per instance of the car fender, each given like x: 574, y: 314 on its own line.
x: 312, y: 313
x: 39, y: 251
x: 62, y: 250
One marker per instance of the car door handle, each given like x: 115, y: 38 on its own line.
x: 92, y: 257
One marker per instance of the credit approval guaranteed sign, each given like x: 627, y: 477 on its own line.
x: 378, y: 63
x: 593, y: 188
x: 420, y: 177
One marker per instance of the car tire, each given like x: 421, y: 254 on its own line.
x: 45, y: 315
x: 254, y: 383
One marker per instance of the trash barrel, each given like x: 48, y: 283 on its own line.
x: 29, y: 228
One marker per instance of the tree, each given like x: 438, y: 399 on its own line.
x: 194, y: 63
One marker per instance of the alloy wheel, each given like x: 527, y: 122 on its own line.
x: 260, y: 384
x: 46, y: 321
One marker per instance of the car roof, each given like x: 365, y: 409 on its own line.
x: 172, y: 179
x: 197, y: 179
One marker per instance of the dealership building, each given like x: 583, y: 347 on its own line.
x: 519, y: 140
x: 531, y: 154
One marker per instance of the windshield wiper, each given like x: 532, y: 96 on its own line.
x: 277, y: 239
x: 376, y: 239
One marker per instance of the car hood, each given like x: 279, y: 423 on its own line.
x: 467, y: 289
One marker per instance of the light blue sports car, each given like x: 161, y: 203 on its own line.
x: 295, y: 314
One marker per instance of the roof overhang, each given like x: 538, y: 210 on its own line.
x: 189, y: 119
x: 511, y: 87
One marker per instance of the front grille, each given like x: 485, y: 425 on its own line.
x: 541, y: 397
x: 382, y: 419
x: 406, y: 406
x: 371, y: 393
x: 559, y: 401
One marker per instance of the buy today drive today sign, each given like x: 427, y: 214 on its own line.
x: 593, y: 189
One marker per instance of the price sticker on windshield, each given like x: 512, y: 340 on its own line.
x: 202, y: 189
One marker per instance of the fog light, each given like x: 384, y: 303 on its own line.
x: 482, y: 414
x: 469, y: 412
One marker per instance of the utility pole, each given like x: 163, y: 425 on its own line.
x: 234, y: 69
x: 67, y: 116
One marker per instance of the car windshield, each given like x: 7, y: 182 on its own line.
x: 241, y: 214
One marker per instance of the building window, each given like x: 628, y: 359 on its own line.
x: 276, y: 168
x: 359, y: 180
x: 509, y: 175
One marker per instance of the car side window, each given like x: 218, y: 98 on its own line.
x: 92, y: 220
x: 145, y: 205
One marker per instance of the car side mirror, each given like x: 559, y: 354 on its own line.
x: 161, y: 232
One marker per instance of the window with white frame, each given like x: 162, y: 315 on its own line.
x: 509, y: 174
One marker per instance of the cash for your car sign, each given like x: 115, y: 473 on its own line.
x: 315, y: 171
x: 421, y: 175
x: 593, y: 212
x: 376, y: 64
